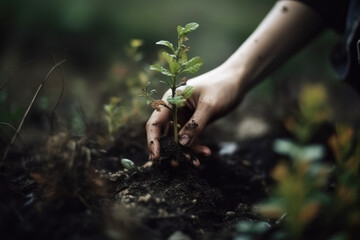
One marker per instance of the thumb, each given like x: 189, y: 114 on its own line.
x: 192, y: 129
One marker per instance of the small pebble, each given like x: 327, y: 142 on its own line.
x: 145, y: 198
x: 102, y: 151
x: 148, y: 164
x: 124, y: 192
x: 194, y: 201
x: 162, y: 212
x: 230, y: 213
x: 127, y: 199
x: 178, y: 235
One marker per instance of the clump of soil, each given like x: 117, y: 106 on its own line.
x: 172, y: 151
x: 144, y: 203
x: 202, y: 203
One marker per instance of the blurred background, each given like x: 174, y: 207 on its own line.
x: 109, y: 45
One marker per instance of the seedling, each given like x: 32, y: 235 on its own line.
x: 127, y: 163
x: 178, y: 65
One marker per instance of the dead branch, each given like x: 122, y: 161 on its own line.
x: 29, y: 107
x: 13, y: 128
x: 13, y: 73
x: 59, y: 98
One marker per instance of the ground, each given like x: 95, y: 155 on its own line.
x: 74, y: 189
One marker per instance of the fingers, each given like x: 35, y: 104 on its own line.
x: 192, y: 129
x: 201, y: 150
x: 153, y: 131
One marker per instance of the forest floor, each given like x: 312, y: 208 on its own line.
x: 72, y: 188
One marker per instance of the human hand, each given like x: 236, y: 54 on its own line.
x: 215, y: 94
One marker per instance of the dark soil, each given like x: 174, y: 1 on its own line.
x: 43, y: 199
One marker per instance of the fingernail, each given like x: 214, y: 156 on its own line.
x: 184, y: 140
x: 187, y: 155
x: 196, y: 162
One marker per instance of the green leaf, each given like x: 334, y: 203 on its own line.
x: 174, y: 66
x: 186, y: 93
x: 161, y: 69
x: 127, y: 163
x: 178, y: 101
x: 298, y: 152
x: 260, y: 227
x: 283, y: 146
x: 193, y: 65
x: 180, y: 30
x: 167, y: 83
x: 167, y: 44
x: 313, y: 152
x: 190, y: 27
x: 183, y: 55
x: 107, y: 108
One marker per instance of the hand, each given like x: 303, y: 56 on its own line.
x: 215, y: 94
x: 287, y: 28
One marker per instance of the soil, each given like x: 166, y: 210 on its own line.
x: 47, y: 198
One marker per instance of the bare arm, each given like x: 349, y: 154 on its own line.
x: 289, y: 26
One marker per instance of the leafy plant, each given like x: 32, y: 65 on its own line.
x: 179, y: 64
x: 115, y: 115
x: 301, y: 199
x: 314, y: 110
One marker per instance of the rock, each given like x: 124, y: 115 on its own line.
x: 252, y: 127
x: 162, y: 212
x: 230, y: 213
x: 178, y: 235
x: 227, y: 148
x: 145, y: 198
x: 127, y: 199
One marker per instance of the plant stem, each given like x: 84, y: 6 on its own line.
x: 176, y: 135
x: 174, y: 111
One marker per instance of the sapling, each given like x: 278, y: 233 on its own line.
x: 179, y: 65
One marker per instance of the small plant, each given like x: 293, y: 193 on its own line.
x: 115, y: 115
x: 178, y: 65
x: 127, y: 163
x: 311, y: 195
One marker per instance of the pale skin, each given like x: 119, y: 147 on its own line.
x: 288, y: 27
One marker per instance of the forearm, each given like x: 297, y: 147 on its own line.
x: 289, y: 26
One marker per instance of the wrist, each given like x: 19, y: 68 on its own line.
x: 238, y: 76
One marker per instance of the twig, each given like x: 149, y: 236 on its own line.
x: 29, y: 107
x: 13, y: 73
x: 13, y: 128
x: 281, y: 218
x: 59, y: 98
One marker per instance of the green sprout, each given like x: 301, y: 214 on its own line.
x: 115, y: 115
x: 127, y: 163
x: 179, y: 64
